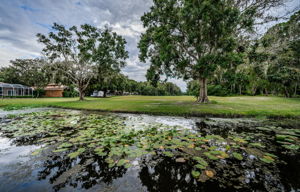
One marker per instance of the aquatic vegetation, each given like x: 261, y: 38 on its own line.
x: 267, y: 159
x: 195, y: 174
x: 75, y: 135
x: 76, y: 153
x: 238, y: 156
x: 289, y: 139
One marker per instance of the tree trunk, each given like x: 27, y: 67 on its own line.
x: 253, y: 90
x: 37, y: 94
x: 296, y: 88
x: 286, y: 92
x: 267, y: 92
x: 104, y: 93
x: 203, y: 98
x: 81, y: 95
x: 240, y: 88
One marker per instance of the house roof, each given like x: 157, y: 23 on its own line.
x: 54, y: 87
x: 15, y: 86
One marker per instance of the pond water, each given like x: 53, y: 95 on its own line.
x: 69, y: 150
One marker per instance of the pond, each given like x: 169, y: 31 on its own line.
x: 69, y: 150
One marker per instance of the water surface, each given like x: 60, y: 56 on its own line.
x: 62, y: 150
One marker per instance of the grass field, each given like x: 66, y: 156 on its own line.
x: 172, y: 105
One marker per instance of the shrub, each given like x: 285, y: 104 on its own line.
x: 39, y: 92
x: 217, y: 90
x: 70, y: 92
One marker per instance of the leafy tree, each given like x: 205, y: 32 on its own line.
x: 109, y: 82
x: 83, y: 53
x: 191, y: 38
x: 30, y: 72
x: 275, y: 58
x: 9, y: 75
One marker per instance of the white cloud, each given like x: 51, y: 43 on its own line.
x: 123, y: 30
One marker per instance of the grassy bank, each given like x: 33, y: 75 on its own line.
x: 172, y: 105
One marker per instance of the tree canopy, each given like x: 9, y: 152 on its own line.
x: 30, y: 72
x: 190, y: 39
x: 271, y: 65
x: 83, y: 53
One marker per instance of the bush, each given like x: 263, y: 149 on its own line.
x: 217, y: 90
x: 70, y: 92
x: 39, y: 92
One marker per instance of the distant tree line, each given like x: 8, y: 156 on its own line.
x: 35, y: 73
x: 119, y: 84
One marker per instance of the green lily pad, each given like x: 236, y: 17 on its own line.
x: 195, y: 174
x: 65, y: 145
x: 257, y: 145
x: 200, y: 166
x: 76, y: 153
x: 210, y: 156
x: 281, y: 137
x: 169, y: 154
x: 267, y: 159
x: 291, y: 147
x: 60, y: 150
x: 238, y: 156
x: 122, y: 162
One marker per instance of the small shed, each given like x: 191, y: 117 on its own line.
x: 13, y: 90
x: 54, y: 90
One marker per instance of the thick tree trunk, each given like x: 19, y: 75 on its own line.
x: 81, y: 95
x: 203, y: 98
x: 240, y: 88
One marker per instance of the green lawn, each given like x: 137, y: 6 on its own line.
x: 172, y: 105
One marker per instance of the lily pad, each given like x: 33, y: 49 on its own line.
x: 195, y: 174
x: 267, y: 159
x: 168, y: 153
x: 76, y: 153
x: 238, y: 156
x: 291, y: 147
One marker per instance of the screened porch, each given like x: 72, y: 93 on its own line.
x: 13, y: 90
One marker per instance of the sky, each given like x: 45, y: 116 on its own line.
x: 21, y: 20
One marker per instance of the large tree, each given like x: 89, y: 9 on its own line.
x: 190, y: 38
x: 83, y: 53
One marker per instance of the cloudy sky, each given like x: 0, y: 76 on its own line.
x: 21, y: 20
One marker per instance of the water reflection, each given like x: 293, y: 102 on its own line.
x: 84, y: 172
x: 166, y: 175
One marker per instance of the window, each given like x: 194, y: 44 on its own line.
x: 10, y: 92
x: 1, y: 91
